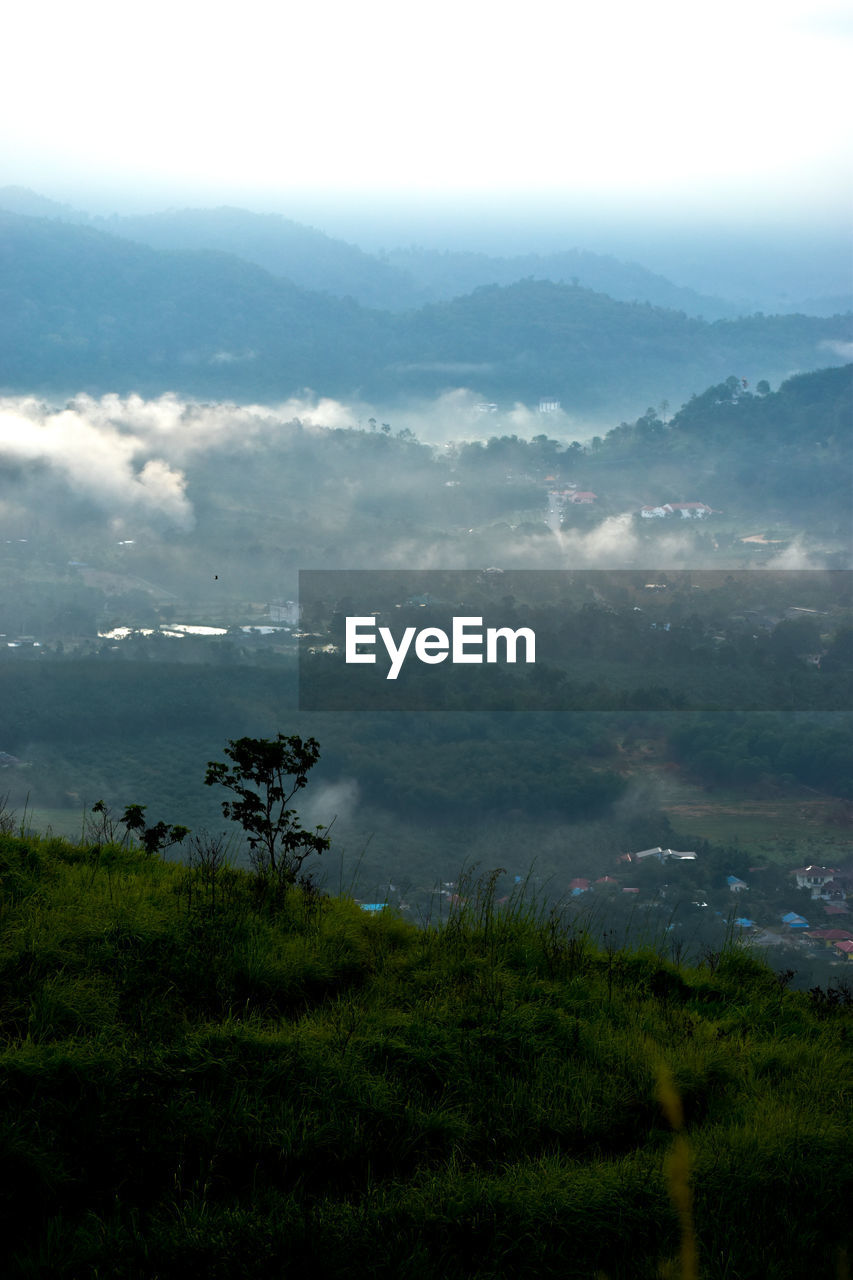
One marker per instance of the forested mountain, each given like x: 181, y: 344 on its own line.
x: 405, y: 277
x: 32, y: 205
x: 86, y: 310
x: 302, y: 254
x: 448, y: 274
x: 535, y: 337
x: 783, y: 453
x: 402, y: 278
x: 398, y: 280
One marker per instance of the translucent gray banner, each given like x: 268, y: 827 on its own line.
x: 585, y: 640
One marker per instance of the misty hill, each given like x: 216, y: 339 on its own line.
x: 448, y: 274
x: 403, y: 278
x: 535, y: 338
x: 32, y: 205
x: 781, y: 454
x: 86, y: 310
x: 409, y: 277
x: 398, y: 280
x: 304, y: 255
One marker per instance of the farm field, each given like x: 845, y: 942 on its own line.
x: 795, y: 825
x: 805, y: 828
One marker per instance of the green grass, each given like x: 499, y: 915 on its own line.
x: 788, y: 825
x: 787, y: 829
x: 202, y: 1076
x: 69, y: 822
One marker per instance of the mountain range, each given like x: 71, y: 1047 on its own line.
x: 225, y: 303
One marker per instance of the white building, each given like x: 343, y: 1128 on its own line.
x: 687, y: 511
x: 286, y: 611
x: 814, y: 879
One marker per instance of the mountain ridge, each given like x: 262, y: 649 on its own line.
x: 87, y: 310
x: 399, y: 278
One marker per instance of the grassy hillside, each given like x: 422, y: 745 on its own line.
x: 203, y: 1074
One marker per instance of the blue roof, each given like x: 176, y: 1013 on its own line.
x: 734, y: 880
x: 373, y: 906
x: 792, y: 918
x: 744, y: 923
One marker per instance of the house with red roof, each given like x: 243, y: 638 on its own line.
x: 814, y: 878
x: 829, y: 936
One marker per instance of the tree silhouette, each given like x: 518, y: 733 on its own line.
x: 265, y: 776
x: 154, y: 839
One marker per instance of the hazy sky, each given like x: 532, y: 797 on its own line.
x: 737, y: 106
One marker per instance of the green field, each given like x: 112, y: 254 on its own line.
x: 799, y: 829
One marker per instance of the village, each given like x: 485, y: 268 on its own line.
x: 731, y: 902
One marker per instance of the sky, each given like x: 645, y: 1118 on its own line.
x: 737, y: 111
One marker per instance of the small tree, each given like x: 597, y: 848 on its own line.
x: 154, y: 839
x: 265, y: 776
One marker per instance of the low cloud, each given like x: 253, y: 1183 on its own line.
x: 233, y: 357
x: 795, y: 556
x: 105, y: 466
x: 135, y: 460
x: 463, y: 414
x: 843, y: 349
x: 330, y: 801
